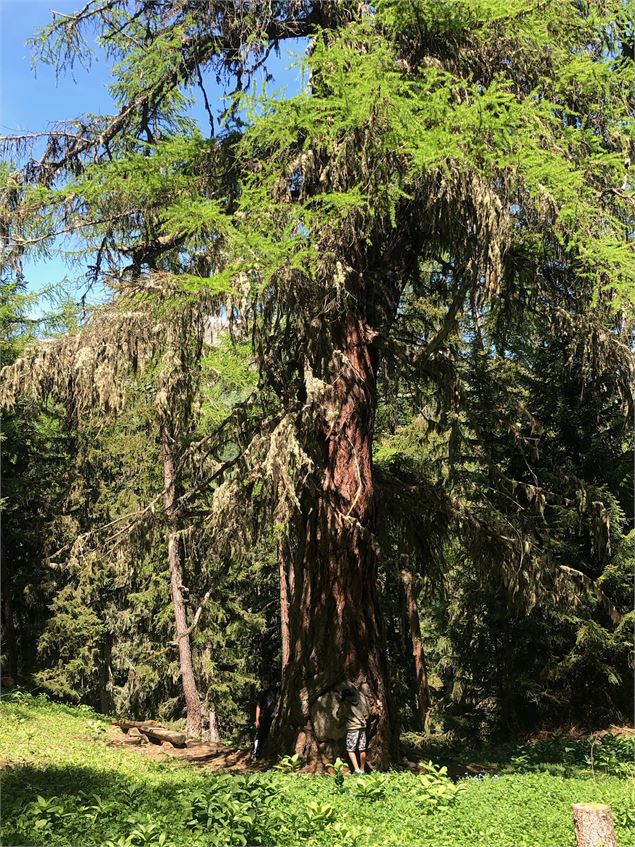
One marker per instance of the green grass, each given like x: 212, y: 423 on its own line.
x: 62, y: 785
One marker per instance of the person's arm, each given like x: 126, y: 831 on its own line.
x: 257, y: 715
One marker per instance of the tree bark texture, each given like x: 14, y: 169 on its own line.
x: 335, y: 626
x: 421, y: 671
x: 593, y: 825
x: 194, y: 714
x: 105, y: 676
x: 284, y: 604
x: 214, y: 733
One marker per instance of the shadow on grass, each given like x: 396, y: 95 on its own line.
x: 74, y: 804
x: 23, y: 783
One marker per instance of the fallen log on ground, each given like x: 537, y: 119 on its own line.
x: 154, y: 732
x: 127, y: 725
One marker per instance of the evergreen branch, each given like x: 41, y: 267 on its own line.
x: 592, y: 586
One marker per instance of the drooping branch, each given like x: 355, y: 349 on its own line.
x: 593, y: 588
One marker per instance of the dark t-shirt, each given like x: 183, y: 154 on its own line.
x: 268, y: 702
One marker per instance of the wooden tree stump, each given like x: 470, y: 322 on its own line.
x: 593, y: 825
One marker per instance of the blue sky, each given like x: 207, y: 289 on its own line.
x: 32, y: 99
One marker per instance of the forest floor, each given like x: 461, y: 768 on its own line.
x: 69, y: 778
x: 216, y: 757
x: 460, y: 761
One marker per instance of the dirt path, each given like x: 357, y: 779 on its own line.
x: 222, y: 759
x: 216, y: 757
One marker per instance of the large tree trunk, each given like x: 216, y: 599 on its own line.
x: 421, y: 671
x: 335, y: 627
x: 194, y: 716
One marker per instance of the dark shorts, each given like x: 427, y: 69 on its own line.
x: 262, y: 733
x: 356, y: 739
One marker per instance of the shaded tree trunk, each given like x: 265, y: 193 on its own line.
x: 9, y: 634
x: 105, y: 698
x: 194, y: 712
x: 414, y: 625
x: 284, y: 605
x: 335, y: 627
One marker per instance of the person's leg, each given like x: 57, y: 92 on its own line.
x: 362, y: 750
x: 362, y: 761
x: 261, y: 736
x: 351, y: 746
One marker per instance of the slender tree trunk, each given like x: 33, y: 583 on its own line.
x: 284, y: 605
x: 105, y: 698
x: 193, y: 707
x: 335, y: 627
x: 214, y: 734
x: 9, y: 635
x: 421, y: 671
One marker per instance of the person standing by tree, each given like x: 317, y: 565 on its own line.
x: 266, y: 708
x: 356, y: 712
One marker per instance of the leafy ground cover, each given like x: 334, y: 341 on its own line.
x: 62, y: 784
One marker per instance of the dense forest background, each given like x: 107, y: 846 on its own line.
x: 502, y: 656
x: 158, y: 450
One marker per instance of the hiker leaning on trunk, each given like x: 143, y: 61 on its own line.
x: 355, y: 712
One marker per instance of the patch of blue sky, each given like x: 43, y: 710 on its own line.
x: 33, y: 99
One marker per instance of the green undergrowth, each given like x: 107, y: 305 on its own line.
x: 63, y: 785
x: 558, y: 754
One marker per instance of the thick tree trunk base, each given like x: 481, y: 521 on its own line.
x: 314, y: 732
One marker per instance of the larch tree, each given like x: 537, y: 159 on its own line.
x: 476, y: 148
x: 91, y: 369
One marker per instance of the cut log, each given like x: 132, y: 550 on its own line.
x: 127, y: 725
x: 593, y: 825
x: 155, y: 733
x: 160, y: 735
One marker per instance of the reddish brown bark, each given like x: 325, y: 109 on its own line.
x: 194, y: 722
x: 414, y: 625
x: 335, y: 627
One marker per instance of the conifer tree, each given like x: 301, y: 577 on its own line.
x: 481, y: 142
